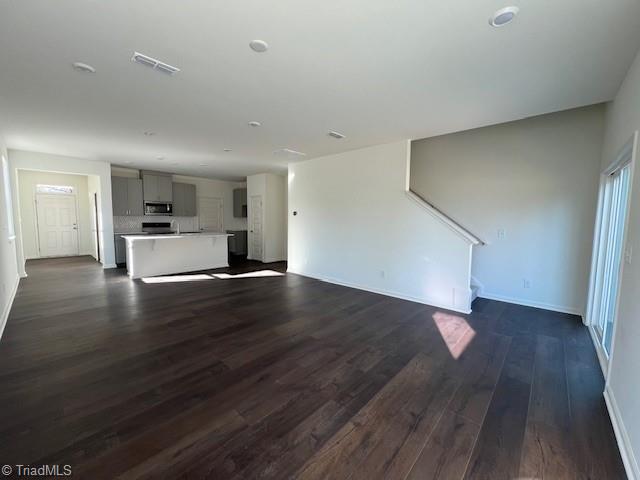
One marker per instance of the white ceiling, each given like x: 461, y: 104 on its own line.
x: 375, y: 70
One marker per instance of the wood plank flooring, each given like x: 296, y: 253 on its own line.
x: 247, y: 377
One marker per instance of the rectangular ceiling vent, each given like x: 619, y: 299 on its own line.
x: 334, y: 134
x: 289, y: 153
x: 154, y: 63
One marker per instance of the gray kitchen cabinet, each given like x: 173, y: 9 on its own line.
x: 184, y: 200
x: 238, y: 242
x: 240, y: 202
x: 190, y: 209
x: 121, y: 249
x: 126, y: 195
x: 119, y: 196
x: 134, y: 197
x: 157, y: 187
x: 150, y: 187
x: 165, y: 188
x: 178, y: 199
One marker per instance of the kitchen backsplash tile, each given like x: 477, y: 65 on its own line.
x: 134, y: 224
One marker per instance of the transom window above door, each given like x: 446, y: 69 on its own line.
x: 54, y: 189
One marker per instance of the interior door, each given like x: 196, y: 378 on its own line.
x: 210, y: 214
x: 255, y: 228
x: 57, y: 225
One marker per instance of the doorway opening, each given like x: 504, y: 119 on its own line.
x: 609, y: 250
x: 96, y: 215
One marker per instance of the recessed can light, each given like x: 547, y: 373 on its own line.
x: 254, y: 124
x: 226, y: 149
x: 503, y: 16
x: 149, y: 134
x: 159, y: 158
x: 83, y: 67
x: 259, y: 46
x: 204, y: 164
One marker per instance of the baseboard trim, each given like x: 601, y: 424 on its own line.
x: 622, y: 437
x: 109, y: 265
x: 7, y: 309
x: 528, y: 303
x: 388, y: 293
x: 602, y: 359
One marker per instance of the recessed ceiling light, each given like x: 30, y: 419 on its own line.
x: 204, y: 165
x: 259, y: 46
x: 149, y: 134
x: 503, y: 16
x: 159, y: 158
x: 334, y: 134
x: 254, y: 124
x: 227, y: 149
x: 83, y: 67
x: 174, y: 163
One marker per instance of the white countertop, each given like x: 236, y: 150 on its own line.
x: 173, y: 236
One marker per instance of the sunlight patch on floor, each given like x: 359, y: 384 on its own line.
x: 198, y: 277
x: 258, y: 274
x: 177, y: 278
x: 456, y: 332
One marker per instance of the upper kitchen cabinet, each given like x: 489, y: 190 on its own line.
x: 184, y: 200
x: 240, y: 202
x: 157, y: 187
x: 126, y: 196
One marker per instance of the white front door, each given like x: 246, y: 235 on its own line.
x: 210, y: 214
x: 57, y: 225
x: 255, y: 228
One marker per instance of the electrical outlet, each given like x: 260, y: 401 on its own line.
x: 628, y: 253
x: 501, y: 233
x: 526, y: 283
x: 383, y: 274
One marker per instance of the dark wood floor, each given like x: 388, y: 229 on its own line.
x: 288, y: 377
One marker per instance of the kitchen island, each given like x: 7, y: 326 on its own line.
x: 150, y: 255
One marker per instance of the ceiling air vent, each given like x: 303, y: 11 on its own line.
x: 154, y: 63
x: 334, y: 134
x: 289, y: 153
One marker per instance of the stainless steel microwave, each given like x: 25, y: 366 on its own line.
x: 158, y: 208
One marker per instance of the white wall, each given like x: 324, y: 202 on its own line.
x: 27, y: 181
x: 355, y: 225
x: 536, y: 179
x: 272, y: 188
x: 205, y: 187
x: 623, y: 382
x: 8, y: 265
x: 22, y: 160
